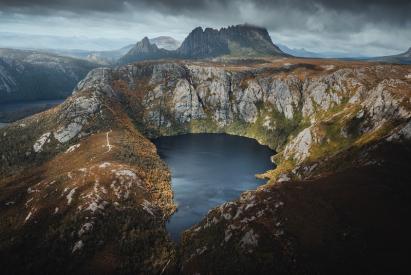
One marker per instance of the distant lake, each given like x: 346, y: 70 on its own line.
x: 3, y: 125
x: 208, y: 170
x: 10, y: 112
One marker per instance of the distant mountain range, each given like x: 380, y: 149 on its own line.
x: 403, y: 58
x: 32, y: 75
x: 234, y: 41
x: 309, y: 54
x: 112, y: 56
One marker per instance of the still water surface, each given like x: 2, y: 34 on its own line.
x: 208, y: 170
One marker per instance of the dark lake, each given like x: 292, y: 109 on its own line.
x: 208, y: 170
x: 10, y: 112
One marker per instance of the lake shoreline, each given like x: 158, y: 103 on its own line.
x: 208, y: 170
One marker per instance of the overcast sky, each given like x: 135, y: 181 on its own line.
x: 370, y: 27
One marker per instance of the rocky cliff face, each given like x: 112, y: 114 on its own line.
x: 202, y: 44
x: 252, y: 38
x: 29, y: 75
x: 240, y: 40
x: 342, y: 134
x: 235, y: 41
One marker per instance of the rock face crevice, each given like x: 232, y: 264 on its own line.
x: 85, y: 175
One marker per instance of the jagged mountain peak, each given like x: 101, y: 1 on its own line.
x: 237, y: 40
x: 145, y: 45
x: 144, y: 50
x: 145, y: 40
x: 243, y: 40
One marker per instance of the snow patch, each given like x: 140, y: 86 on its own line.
x: 70, y: 195
x: 147, y: 207
x: 78, y: 246
x: 249, y: 239
x: 104, y: 165
x: 67, y: 133
x: 125, y: 172
x: 72, y: 148
x: 283, y: 177
x: 28, y: 216
x: 85, y: 228
x: 328, y: 67
x: 38, y: 145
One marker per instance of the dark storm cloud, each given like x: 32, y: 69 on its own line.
x: 390, y: 11
x: 367, y: 26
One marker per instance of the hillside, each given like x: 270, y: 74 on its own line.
x: 83, y: 190
x: 31, y: 75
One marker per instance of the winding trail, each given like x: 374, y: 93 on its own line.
x: 109, y: 146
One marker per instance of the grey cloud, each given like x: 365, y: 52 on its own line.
x: 393, y: 11
x: 367, y: 26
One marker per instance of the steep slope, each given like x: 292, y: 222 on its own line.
x: 90, y: 195
x: 250, y: 41
x: 31, y: 75
x: 336, y: 203
x: 240, y: 41
x: 203, y: 44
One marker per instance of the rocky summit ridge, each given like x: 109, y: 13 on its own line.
x: 84, y: 191
x: 236, y: 41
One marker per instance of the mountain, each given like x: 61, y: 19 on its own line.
x: 99, y: 57
x: 203, y: 44
x: 326, y: 54
x: 108, y: 57
x: 250, y: 41
x: 32, y: 75
x: 403, y: 58
x: 111, y: 57
x: 166, y: 42
x: 239, y: 41
x: 144, y: 50
x: 234, y: 41
x: 299, y: 52
x: 83, y: 190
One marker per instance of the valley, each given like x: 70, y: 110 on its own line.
x: 208, y: 170
x: 205, y: 137
x: 10, y: 112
